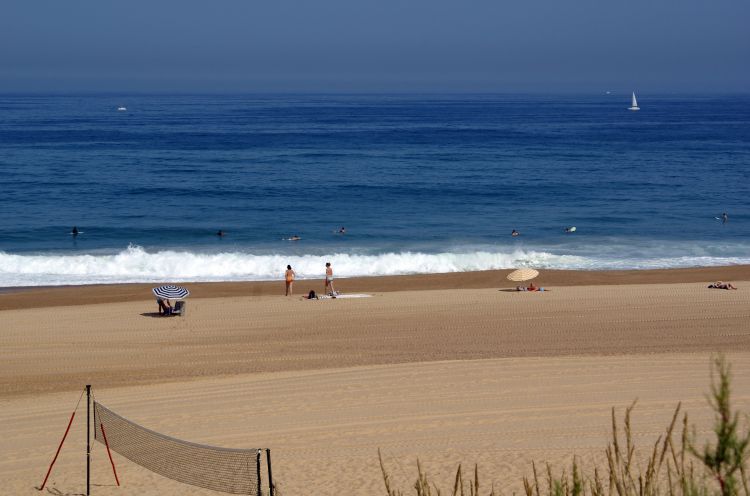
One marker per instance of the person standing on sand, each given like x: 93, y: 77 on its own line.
x: 329, y: 279
x: 289, y: 276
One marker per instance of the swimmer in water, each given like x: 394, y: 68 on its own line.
x: 342, y: 230
x: 294, y: 238
x: 221, y: 233
x: 515, y: 233
x: 724, y: 218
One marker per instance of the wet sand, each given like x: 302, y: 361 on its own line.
x: 29, y: 297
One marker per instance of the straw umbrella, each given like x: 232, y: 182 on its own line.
x: 521, y: 275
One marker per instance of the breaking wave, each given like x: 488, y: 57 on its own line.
x: 135, y: 264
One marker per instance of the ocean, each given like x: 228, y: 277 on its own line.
x: 422, y: 184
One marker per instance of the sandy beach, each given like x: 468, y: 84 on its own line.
x: 448, y: 368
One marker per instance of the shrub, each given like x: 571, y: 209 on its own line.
x: 674, y: 468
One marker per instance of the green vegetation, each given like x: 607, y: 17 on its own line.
x: 673, y: 468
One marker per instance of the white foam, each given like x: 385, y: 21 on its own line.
x: 135, y: 264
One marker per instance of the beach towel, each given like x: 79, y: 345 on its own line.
x: 348, y: 295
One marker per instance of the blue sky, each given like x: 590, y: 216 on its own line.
x: 374, y: 46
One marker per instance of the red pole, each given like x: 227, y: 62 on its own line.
x: 104, y: 435
x: 58, y: 452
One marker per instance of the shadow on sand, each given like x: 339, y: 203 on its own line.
x: 155, y: 315
x: 56, y: 492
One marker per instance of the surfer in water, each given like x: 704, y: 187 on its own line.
x: 515, y: 233
x: 74, y: 232
x: 570, y: 229
x: 724, y: 218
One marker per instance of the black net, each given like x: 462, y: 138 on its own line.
x: 232, y: 471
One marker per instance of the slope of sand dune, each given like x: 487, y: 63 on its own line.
x: 476, y: 375
x: 324, y: 427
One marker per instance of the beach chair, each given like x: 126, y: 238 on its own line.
x: 179, y: 308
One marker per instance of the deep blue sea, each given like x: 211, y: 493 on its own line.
x: 422, y: 184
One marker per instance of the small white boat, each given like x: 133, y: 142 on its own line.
x: 121, y: 109
x: 634, y: 104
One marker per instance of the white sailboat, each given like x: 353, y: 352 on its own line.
x: 634, y: 104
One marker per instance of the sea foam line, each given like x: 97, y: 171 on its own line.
x: 135, y: 264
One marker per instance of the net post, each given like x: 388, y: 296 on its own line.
x: 257, y: 465
x: 88, y: 439
x: 270, y: 476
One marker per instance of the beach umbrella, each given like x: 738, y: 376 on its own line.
x: 523, y: 275
x: 171, y: 292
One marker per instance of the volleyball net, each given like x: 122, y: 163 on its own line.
x: 234, y: 471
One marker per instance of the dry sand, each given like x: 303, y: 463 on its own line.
x: 474, y: 375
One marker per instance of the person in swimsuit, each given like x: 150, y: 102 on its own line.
x: 289, y: 277
x: 329, y: 279
x: 722, y: 285
x: 531, y: 287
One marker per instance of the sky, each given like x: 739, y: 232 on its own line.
x: 374, y: 46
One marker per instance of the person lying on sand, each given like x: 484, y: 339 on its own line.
x: 531, y: 287
x: 721, y: 285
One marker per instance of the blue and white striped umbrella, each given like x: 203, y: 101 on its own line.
x: 171, y: 292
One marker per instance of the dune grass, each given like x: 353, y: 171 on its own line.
x: 673, y: 467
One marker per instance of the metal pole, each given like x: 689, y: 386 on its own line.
x: 257, y: 464
x: 88, y: 439
x: 271, y: 491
